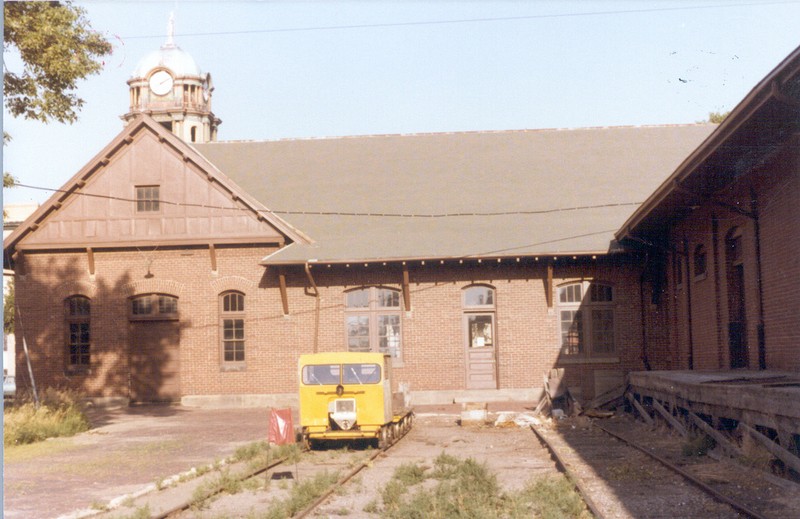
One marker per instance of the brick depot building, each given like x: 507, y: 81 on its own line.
x: 176, y: 268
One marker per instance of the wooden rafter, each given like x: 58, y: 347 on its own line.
x: 212, y: 253
x: 90, y: 258
x: 284, y: 294
x: 406, y: 291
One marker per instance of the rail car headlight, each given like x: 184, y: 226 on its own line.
x: 343, y: 412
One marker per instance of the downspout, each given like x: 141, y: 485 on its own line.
x: 689, y: 302
x: 645, y: 359
x: 762, y: 341
x: 717, y: 288
x: 315, y: 291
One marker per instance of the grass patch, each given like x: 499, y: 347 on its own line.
x: 301, y: 495
x: 250, y: 451
x: 260, y: 454
x: 467, y: 489
x: 60, y: 414
x: 550, y: 498
x: 143, y: 512
x: 224, y: 482
x: 17, y: 453
x: 698, y: 445
x: 409, y: 474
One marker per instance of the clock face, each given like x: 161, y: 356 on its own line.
x: 160, y: 83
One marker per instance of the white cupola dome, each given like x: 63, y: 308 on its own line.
x: 169, y: 56
x: 168, y: 85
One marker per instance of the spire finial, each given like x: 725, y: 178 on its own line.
x: 170, y: 30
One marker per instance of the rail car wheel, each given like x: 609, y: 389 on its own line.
x: 397, y: 431
x: 383, y: 438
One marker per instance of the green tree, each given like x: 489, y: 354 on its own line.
x: 8, y: 309
x: 8, y: 180
x: 57, y: 47
x: 717, y: 117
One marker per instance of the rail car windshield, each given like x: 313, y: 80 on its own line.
x: 332, y: 374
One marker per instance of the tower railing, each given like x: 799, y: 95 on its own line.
x: 168, y: 104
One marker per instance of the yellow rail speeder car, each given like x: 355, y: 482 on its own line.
x: 348, y: 396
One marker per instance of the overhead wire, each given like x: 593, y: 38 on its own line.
x: 683, y: 7
x: 344, y: 213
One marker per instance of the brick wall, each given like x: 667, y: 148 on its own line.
x: 699, y: 306
x: 778, y: 187
x: 433, y: 343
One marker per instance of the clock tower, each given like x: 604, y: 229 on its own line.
x: 168, y: 85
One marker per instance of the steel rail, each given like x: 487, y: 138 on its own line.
x: 347, y: 477
x: 573, y: 478
x: 244, y: 475
x: 743, y: 509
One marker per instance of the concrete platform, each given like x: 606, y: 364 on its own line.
x: 765, y: 398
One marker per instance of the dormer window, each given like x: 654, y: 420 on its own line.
x: 147, y: 199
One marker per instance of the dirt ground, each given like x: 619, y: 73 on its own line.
x: 510, y: 451
x: 128, y: 450
x: 131, y: 449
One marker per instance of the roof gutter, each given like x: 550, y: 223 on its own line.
x: 271, y: 259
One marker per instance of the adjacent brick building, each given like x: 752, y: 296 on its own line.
x: 724, y: 228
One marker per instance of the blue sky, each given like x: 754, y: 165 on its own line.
x: 315, y: 69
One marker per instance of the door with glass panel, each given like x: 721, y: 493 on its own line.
x: 480, y: 337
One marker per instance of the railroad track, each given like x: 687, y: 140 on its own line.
x: 620, y: 479
x: 314, y: 462
x: 348, y: 476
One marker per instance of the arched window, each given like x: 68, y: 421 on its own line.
x: 700, y: 262
x: 193, y: 133
x: 153, y: 307
x: 372, y: 320
x: 677, y: 269
x: 232, y: 318
x: 586, y: 314
x: 478, y: 306
x: 77, y: 310
x: 479, y: 296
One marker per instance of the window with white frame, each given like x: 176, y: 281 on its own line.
x: 479, y: 311
x: 232, y: 317
x: 372, y: 320
x: 586, y: 315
